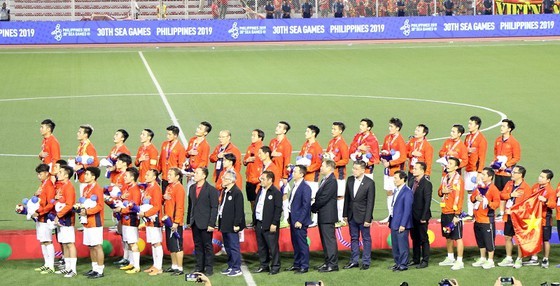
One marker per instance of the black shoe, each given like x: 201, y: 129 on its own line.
x: 301, y: 271
x: 198, y: 270
x: 122, y: 262
x: 351, y: 265
x: 169, y: 270
x: 364, y: 267
x: 322, y: 266
x: 177, y: 272
x: 89, y: 273
x: 262, y: 269
x: 208, y: 273
x: 96, y: 275
x: 292, y: 268
x: 413, y: 263
x: 273, y: 272
x: 329, y: 269
x: 422, y: 264
x: 393, y: 267
x: 400, y: 269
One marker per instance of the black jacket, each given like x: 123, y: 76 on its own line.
x: 232, y: 213
x: 325, y: 201
x: 203, y: 211
x: 272, y: 209
x: 359, y: 208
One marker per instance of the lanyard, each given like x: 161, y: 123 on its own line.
x: 332, y: 144
x: 471, y: 141
x: 170, y: 149
x: 83, y: 148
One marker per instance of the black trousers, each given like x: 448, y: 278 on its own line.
x: 420, y: 242
x: 328, y: 240
x: 269, y: 252
x: 204, y: 251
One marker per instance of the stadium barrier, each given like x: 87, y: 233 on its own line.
x: 23, y: 244
x: 278, y: 30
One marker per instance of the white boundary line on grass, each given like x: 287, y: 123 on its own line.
x: 246, y: 273
x: 164, y: 99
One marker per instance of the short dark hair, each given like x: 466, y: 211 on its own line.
x: 124, y: 134
x: 49, y: 124
x: 62, y: 162
x: 134, y: 172
x: 456, y: 160
x: 315, y: 129
x: 330, y: 163
x: 125, y: 158
x: 360, y: 163
x: 422, y: 165
x: 42, y: 168
x: 174, y: 129
x: 302, y: 168
x: 368, y: 122
x: 396, y: 121
x: 476, y: 120
x: 460, y: 128
x: 401, y: 174
x: 266, y: 150
x: 549, y: 173
x: 230, y: 157
x: 156, y: 172
x: 286, y: 125
x: 177, y: 172
x: 269, y: 175
x: 94, y: 171
x: 260, y: 133
x: 88, y: 129
x: 69, y: 171
x: 207, y: 125
x: 426, y: 129
x: 340, y: 125
x: 490, y: 172
x: 522, y: 170
x: 150, y: 133
x: 204, y: 171
x: 510, y: 124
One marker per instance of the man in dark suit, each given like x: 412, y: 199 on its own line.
x: 325, y: 207
x: 266, y: 215
x: 421, y: 214
x: 300, y: 219
x: 202, y: 215
x: 400, y: 221
x: 231, y: 220
x: 359, y: 201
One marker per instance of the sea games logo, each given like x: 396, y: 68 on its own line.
x: 408, y: 27
x: 58, y: 33
x: 237, y: 30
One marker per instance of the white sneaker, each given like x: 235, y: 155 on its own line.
x: 479, y: 262
x: 458, y: 265
x: 531, y: 262
x: 518, y: 263
x: 488, y: 264
x: 70, y: 274
x: 544, y: 264
x: 447, y: 262
x: 506, y: 262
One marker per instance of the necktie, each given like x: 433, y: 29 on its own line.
x: 414, y: 186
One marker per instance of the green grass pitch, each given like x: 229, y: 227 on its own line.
x: 242, y: 88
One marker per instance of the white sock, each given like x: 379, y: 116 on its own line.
x: 93, y: 266
x: 136, y: 256
x: 534, y: 257
x: 100, y: 269
x: 126, y: 252
x: 339, y: 208
x: 490, y: 260
x: 389, y: 202
x: 470, y: 207
x: 509, y: 258
x: 482, y: 258
x: 451, y: 256
x: 154, y: 256
x: 50, y: 255
x: 174, y: 266
x: 67, y: 264
x: 180, y: 268
x: 459, y: 258
x: 45, y: 255
x: 158, y: 263
x: 285, y: 210
x: 73, y: 262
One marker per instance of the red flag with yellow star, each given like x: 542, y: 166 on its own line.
x: 527, y: 223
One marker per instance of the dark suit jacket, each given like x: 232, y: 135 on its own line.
x: 203, y: 210
x: 422, y: 200
x: 272, y: 209
x: 325, y: 201
x: 300, y: 209
x: 232, y: 213
x: 360, y: 207
x: 402, y: 210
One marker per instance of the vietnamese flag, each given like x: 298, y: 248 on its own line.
x: 527, y: 223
